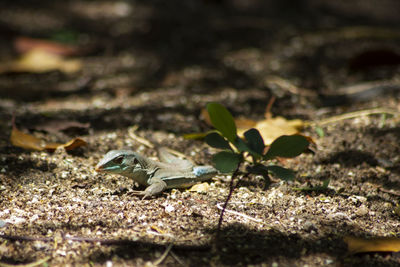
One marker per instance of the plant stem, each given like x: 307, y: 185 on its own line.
x: 232, y: 187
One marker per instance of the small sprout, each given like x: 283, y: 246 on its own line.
x: 236, y: 148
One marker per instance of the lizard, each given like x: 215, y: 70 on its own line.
x: 157, y: 176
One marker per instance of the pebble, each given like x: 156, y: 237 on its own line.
x: 362, y: 210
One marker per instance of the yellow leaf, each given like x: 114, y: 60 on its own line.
x: 376, y: 244
x: 38, y: 61
x: 270, y: 129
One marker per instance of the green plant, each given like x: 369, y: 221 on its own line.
x: 235, y: 149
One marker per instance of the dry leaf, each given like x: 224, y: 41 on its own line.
x: 200, y: 188
x: 376, y: 244
x: 25, y: 44
x: 25, y: 141
x: 38, y: 61
x: 243, y: 123
x: 31, y: 142
x: 74, y: 143
x: 205, y: 116
x: 270, y: 129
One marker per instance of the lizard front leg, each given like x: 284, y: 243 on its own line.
x: 157, y: 186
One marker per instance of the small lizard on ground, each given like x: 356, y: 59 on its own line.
x: 171, y: 172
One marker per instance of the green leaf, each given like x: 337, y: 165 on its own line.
x: 241, y: 145
x: 222, y: 120
x: 193, y: 136
x: 216, y: 140
x: 287, y: 146
x: 226, y: 161
x: 281, y: 173
x: 255, y: 141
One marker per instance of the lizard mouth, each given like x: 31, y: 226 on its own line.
x: 98, y: 168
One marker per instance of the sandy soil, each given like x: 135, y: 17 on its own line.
x: 156, y: 65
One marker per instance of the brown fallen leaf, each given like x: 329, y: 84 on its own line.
x: 26, y: 44
x: 30, y: 142
x: 376, y: 244
x: 39, y: 61
x: 25, y: 141
x: 205, y: 117
x: 72, y: 144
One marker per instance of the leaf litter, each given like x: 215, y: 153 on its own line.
x: 30, y: 142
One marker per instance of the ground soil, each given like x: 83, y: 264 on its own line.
x: 155, y: 65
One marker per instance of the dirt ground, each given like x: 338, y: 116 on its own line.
x: 155, y: 65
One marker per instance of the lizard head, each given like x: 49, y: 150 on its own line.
x: 124, y: 162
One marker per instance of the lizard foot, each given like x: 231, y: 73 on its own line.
x: 140, y: 193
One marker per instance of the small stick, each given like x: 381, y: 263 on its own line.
x: 143, y: 141
x: 238, y: 213
x: 163, y: 256
x: 177, y: 259
x: 32, y: 264
x: 355, y: 114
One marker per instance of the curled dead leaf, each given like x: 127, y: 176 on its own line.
x: 72, y: 144
x: 25, y: 141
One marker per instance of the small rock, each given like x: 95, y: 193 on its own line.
x: 362, y: 210
x: 169, y: 208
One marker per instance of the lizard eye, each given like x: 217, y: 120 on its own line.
x: 135, y: 161
x: 118, y: 160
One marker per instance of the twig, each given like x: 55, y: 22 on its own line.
x: 355, y: 114
x: 176, y: 153
x: 163, y: 256
x: 131, y: 132
x: 238, y: 213
x: 268, y: 114
x: 177, y: 259
x: 32, y: 264
x: 396, y: 193
x: 143, y: 141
